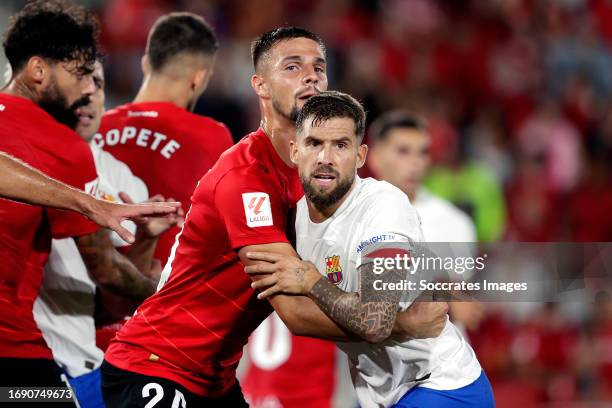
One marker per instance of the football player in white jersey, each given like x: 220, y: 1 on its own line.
x: 337, y: 219
x: 65, y: 306
x: 399, y: 154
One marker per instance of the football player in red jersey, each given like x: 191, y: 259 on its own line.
x: 51, y: 47
x: 157, y: 136
x: 183, y: 344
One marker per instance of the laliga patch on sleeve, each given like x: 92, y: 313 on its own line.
x: 257, y: 209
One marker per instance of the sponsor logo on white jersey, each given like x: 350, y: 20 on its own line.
x: 257, y: 209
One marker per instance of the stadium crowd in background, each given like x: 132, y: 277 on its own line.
x: 516, y: 96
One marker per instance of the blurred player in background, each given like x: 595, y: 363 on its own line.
x: 184, y: 343
x: 65, y: 305
x: 157, y: 136
x: 400, y: 154
x: 339, y: 217
x: 277, y: 363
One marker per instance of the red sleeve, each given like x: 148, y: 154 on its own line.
x: 223, y: 140
x: 75, y: 167
x: 252, y: 208
x: 226, y: 138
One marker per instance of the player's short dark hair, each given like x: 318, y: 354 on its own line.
x: 385, y: 123
x: 329, y: 105
x: 177, y: 33
x: 56, y: 30
x: 267, y: 40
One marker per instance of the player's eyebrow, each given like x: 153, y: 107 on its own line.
x: 292, y: 58
x: 298, y: 58
x: 98, y: 81
x: 320, y: 60
x: 311, y: 139
x: 344, y: 139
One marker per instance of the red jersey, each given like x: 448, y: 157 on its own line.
x: 193, y: 329
x: 285, y: 371
x: 168, y: 147
x: 28, y: 133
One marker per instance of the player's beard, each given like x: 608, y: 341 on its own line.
x: 291, y: 115
x: 56, y: 105
x: 325, y: 199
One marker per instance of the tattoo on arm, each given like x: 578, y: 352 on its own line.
x: 372, y: 321
x: 110, y: 269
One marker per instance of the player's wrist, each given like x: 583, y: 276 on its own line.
x: 83, y: 203
x: 311, y: 277
x: 404, y: 326
x: 145, y: 233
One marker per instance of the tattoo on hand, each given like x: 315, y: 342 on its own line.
x: 300, y: 272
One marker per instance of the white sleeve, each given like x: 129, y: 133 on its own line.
x: 393, y: 214
x: 390, y: 218
x: 125, y: 181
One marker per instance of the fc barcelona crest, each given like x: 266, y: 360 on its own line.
x: 333, y: 269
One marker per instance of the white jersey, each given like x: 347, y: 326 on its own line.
x: 376, y: 211
x: 442, y: 221
x: 64, y: 308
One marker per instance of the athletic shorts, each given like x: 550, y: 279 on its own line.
x: 88, y: 389
x: 125, y: 389
x: 475, y: 395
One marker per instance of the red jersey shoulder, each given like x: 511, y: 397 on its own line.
x: 247, y: 157
x: 210, y: 129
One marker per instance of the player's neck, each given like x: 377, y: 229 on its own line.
x: 18, y: 87
x: 412, y: 194
x: 160, y: 90
x: 281, y: 132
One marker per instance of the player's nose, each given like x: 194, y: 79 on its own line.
x: 325, y: 155
x: 88, y: 87
x: 310, y: 76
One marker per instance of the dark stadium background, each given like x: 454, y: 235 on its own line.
x: 517, y: 97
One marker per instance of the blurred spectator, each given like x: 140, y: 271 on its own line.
x: 517, y: 96
x: 533, y: 206
x: 547, y: 134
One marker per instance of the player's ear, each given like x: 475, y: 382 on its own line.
x: 293, y: 151
x: 38, y: 70
x: 145, y: 65
x: 259, y: 86
x: 200, y: 79
x: 362, y: 153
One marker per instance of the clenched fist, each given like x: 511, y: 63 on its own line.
x: 422, y: 320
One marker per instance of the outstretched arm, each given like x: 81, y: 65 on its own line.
x: 21, y: 182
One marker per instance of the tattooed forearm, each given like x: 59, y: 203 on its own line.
x: 111, y: 270
x: 372, y: 321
